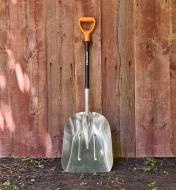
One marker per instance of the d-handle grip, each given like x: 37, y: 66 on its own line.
x: 87, y: 32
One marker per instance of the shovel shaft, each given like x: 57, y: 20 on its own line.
x: 87, y: 25
x: 87, y: 100
x: 87, y: 65
x: 87, y: 83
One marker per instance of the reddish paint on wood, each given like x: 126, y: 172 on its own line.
x: 60, y: 69
x: 126, y: 84
x: 118, y: 74
x: 6, y: 115
x: 33, y: 71
x: 68, y: 64
x: 110, y: 70
x: 27, y: 65
x: 172, y: 37
x: 152, y: 75
x: 53, y: 52
x: 132, y: 74
x: 43, y: 136
x: 20, y: 83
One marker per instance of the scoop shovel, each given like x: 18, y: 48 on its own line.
x: 87, y: 145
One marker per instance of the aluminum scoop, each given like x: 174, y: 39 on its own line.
x: 87, y: 144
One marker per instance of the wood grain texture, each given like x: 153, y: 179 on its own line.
x: 27, y: 79
x: 172, y: 42
x: 126, y: 83
x: 60, y: 69
x: 19, y: 78
x: 40, y: 140
x: 110, y: 70
x: 118, y: 74
x: 132, y: 70
x: 68, y: 65
x: 53, y: 41
x: 39, y: 100
x: 152, y: 78
x: 33, y: 71
x: 5, y: 90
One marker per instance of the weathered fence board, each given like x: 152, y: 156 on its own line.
x: 5, y: 88
x: 126, y: 76
x: 60, y: 69
x: 132, y: 74
x: 172, y: 48
x: 19, y: 78
x: 37, y: 73
x: 110, y: 70
x: 152, y: 72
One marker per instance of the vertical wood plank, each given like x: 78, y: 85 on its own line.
x: 88, y: 8
x: 152, y: 73
x: 127, y: 79
x: 60, y: 69
x: 6, y: 116
x: 28, y: 67
x: 110, y: 70
x: 68, y: 64
x: 172, y: 38
x: 32, y: 52
x: 53, y: 72
x: 44, y: 138
x: 36, y: 52
x: 19, y: 78
x: 118, y: 74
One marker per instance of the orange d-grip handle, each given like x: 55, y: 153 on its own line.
x: 87, y: 32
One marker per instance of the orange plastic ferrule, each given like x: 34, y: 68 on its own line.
x: 87, y: 32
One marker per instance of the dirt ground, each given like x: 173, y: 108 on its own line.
x: 127, y: 174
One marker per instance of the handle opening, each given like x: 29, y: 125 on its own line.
x: 87, y: 25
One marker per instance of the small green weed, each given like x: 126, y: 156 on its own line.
x: 152, y: 186
x: 7, y: 185
x: 32, y: 162
x: 81, y: 176
x: 150, y: 164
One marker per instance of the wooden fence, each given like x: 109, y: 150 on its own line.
x: 133, y: 74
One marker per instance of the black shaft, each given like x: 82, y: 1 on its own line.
x: 87, y: 64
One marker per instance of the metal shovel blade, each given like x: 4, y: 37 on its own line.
x: 87, y: 145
